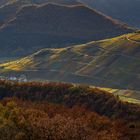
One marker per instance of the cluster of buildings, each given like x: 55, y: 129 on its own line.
x: 21, y: 78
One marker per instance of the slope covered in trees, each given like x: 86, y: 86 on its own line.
x: 92, y: 99
x: 64, y: 111
x: 25, y: 120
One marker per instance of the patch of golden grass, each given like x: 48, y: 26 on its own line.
x: 16, y: 65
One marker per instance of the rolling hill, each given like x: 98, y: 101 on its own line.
x: 54, y: 26
x: 112, y: 63
x: 124, y: 10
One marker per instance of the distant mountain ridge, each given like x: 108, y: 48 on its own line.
x: 51, y: 25
x: 9, y: 8
x: 124, y: 10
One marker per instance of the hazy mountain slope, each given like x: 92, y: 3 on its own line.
x: 124, y: 10
x: 36, y: 27
x: 9, y: 9
x: 111, y: 63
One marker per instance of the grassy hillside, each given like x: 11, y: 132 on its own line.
x: 112, y: 63
x: 132, y: 96
x: 54, y: 26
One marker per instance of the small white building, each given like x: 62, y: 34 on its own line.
x: 22, y: 78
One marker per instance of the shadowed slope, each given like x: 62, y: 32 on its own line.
x: 55, y: 26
